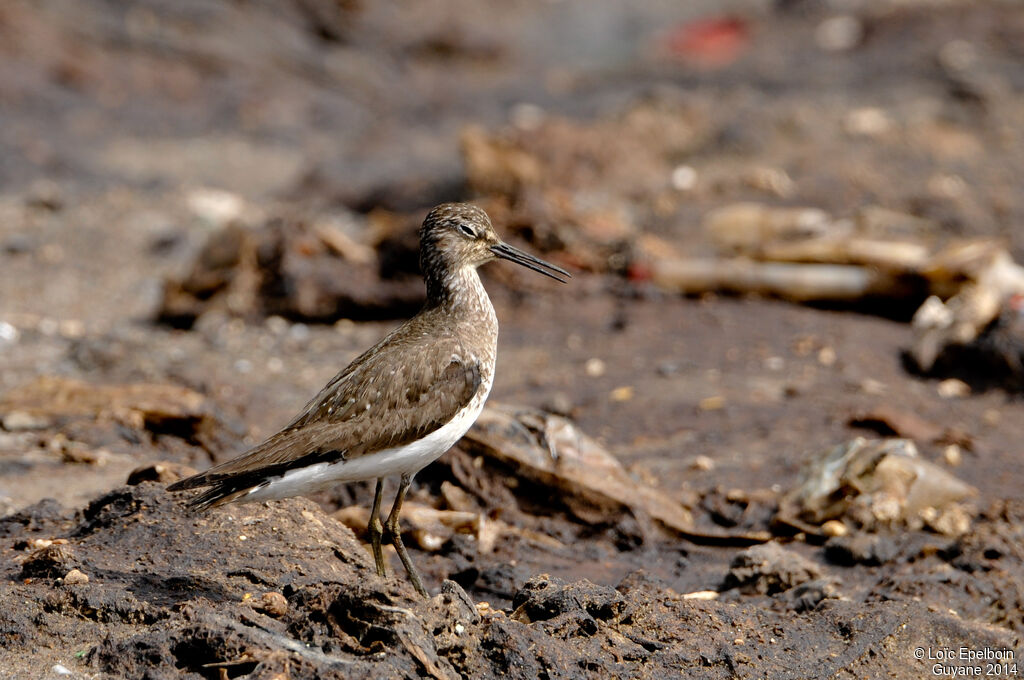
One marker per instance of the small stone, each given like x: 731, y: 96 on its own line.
x: 958, y: 55
x: 768, y: 569
x: 163, y: 472
x: 866, y: 549
x: 75, y: 577
x: 272, y: 604
x: 711, y: 403
x: 867, y: 122
x: 702, y: 595
x: 60, y: 670
x: 774, y: 181
x: 624, y: 393
x: 684, y: 178
x: 8, y: 333
x: 953, y: 389
x: 71, y: 328
x: 702, y: 463
x: 216, y: 207
x: 594, y: 368
x: 839, y: 33
x: 953, y: 455
x: 873, y: 387
x: 833, y: 528
x: 15, y: 421
x: 826, y: 356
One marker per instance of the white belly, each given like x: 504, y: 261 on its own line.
x: 399, y: 460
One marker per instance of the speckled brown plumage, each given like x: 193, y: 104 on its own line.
x: 400, y: 403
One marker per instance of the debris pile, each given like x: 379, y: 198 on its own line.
x: 317, y: 268
x: 874, y: 485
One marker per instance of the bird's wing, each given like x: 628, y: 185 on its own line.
x: 392, y: 395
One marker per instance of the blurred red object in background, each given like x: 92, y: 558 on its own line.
x: 710, y: 42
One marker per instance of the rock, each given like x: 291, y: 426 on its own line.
x: 769, y: 569
x: 860, y: 548
x: 162, y: 472
x: 953, y: 388
x: 53, y: 561
x: 153, y: 408
x: 544, y: 598
x: 809, y: 595
x: 16, y: 421
x: 75, y: 577
x: 272, y: 604
x: 834, y: 527
x: 877, y: 484
x: 299, y: 268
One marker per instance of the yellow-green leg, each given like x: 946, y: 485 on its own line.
x: 376, y: 530
x: 395, y: 532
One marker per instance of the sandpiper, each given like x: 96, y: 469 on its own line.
x: 402, y: 403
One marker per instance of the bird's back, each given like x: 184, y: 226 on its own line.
x: 412, y: 383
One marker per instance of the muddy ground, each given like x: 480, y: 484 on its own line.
x: 209, y: 208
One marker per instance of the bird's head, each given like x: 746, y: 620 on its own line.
x: 455, y: 235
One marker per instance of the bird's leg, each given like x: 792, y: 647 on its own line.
x: 376, y: 530
x: 395, y: 532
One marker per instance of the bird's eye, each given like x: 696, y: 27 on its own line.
x: 468, y: 231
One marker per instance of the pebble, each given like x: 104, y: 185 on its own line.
x: 953, y: 455
x: 15, y: 421
x: 702, y: 463
x: 711, y: 403
x: 833, y: 528
x: 826, y: 356
x: 216, y: 207
x: 868, y: 121
x: 684, y: 178
x: 595, y: 368
x: 8, y: 332
x: 701, y: 595
x: 273, y: 604
x: 75, y: 577
x: 60, y: 670
x: 624, y: 393
x: 958, y: 55
x: 71, y: 329
x: 840, y: 33
x: 953, y: 389
x: 873, y: 387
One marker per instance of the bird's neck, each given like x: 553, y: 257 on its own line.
x: 459, y: 292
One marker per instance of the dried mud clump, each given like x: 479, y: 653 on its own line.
x: 297, y: 269
x: 133, y: 586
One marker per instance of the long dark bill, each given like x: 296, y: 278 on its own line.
x: 507, y: 252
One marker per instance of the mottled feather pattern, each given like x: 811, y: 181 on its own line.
x: 408, y: 385
x: 428, y: 373
x: 379, y: 401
